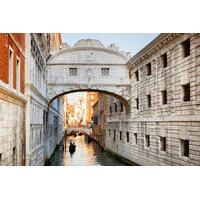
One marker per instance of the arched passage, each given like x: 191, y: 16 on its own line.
x: 121, y: 98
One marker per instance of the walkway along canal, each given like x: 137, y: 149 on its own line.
x: 86, y: 154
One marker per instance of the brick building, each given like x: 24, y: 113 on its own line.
x: 12, y: 100
x: 91, y: 99
x: 55, y: 41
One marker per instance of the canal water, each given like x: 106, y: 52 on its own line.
x: 86, y: 154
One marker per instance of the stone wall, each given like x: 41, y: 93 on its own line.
x: 100, y: 119
x: 12, y: 129
x: 177, y: 121
x: 43, y: 121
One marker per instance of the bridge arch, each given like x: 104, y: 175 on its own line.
x: 89, y: 66
x: 118, y: 96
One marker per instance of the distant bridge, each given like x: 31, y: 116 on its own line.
x: 77, y: 131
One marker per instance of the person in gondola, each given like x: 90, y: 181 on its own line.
x: 72, y: 147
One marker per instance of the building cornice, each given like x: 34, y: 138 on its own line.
x: 86, y: 85
x: 86, y: 64
x: 153, y: 47
x: 72, y: 49
x: 22, y: 51
x: 11, y: 95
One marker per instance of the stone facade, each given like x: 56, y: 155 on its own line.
x: 91, y: 99
x: 164, y: 122
x: 12, y: 99
x: 43, y: 119
x: 100, y: 119
x: 88, y: 66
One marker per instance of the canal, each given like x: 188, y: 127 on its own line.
x: 86, y: 154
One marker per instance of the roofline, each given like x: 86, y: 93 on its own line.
x: 151, y: 45
x: 71, y: 49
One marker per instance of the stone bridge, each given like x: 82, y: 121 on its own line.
x: 89, y: 66
x: 85, y: 131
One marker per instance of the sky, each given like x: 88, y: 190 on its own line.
x: 128, y: 42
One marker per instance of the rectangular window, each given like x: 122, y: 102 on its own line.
x: 14, y: 156
x: 163, y: 143
x: 121, y: 107
x: 18, y: 75
x: 137, y: 103
x: 110, y: 109
x: 105, y: 71
x: 149, y: 101
x: 164, y: 97
x: 186, y: 48
x: 11, y: 67
x: 164, y: 60
x: 127, y: 136
x: 135, y: 138
x: 148, y: 66
x: 120, y: 135
x: 73, y: 72
x: 185, y: 148
x: 115, y: 104
x: 147, y: 140
x: 186, y: 92
x: 114, y: 138
x: 137, y: 75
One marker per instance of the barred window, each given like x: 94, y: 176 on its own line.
x: 164, y: 60
x: 110, y: 109
x: 149, y: 101
x: 115, y: 104
x: 186, y: 92
x: 121, y: 107
x: 127, y: 136
x: 114, y: 138
x: 148, y: 67
x: 120, y: 135
x: 163, y: 143
x: 73, y: 72
x: 137, y: 103
x: 147, y: 140
x: 164, y: 97
x: 137, y: 75
x: 105, y: 71
x: 186, y: 48
x: 185, y: 148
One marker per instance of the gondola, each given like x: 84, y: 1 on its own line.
x: 72, y: 148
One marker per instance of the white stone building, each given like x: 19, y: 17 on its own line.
x: 164, y: 123
x: 43, y: 121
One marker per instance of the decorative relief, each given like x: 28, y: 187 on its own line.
x: 125, y: 93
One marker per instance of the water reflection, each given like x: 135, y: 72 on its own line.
x: 85, y: 155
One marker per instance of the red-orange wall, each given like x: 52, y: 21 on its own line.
x: 16, y: 41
